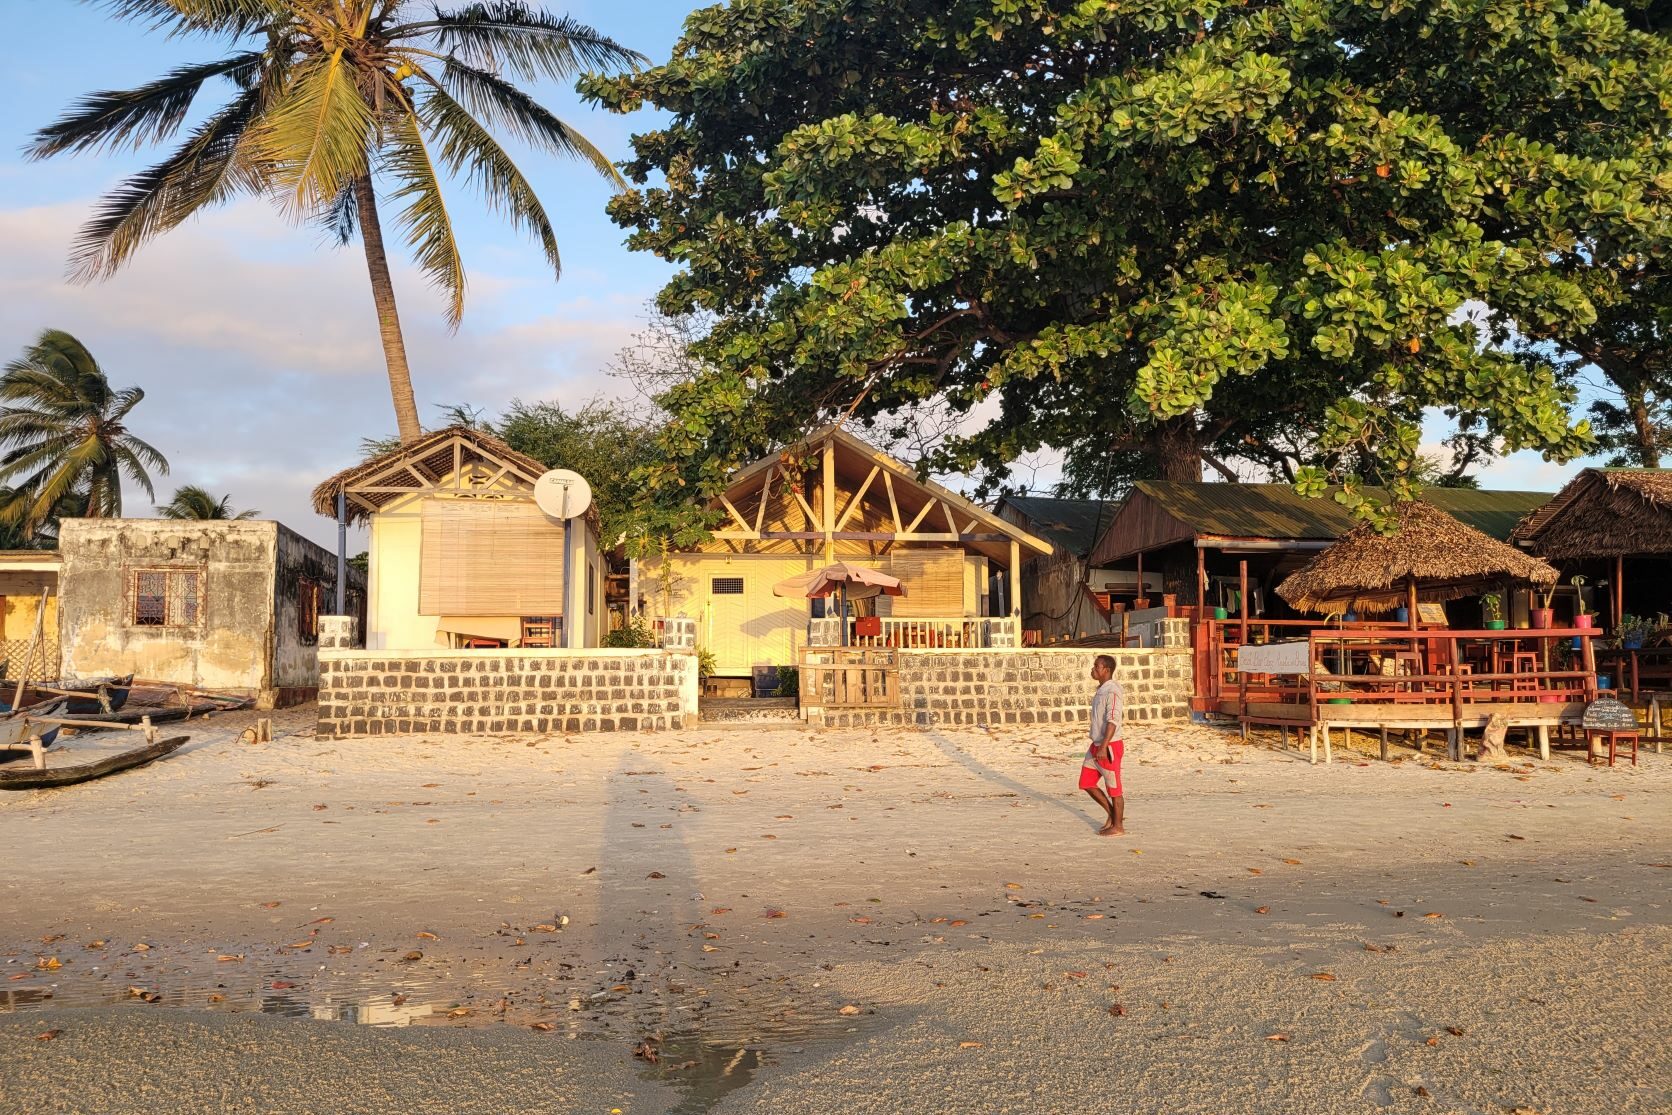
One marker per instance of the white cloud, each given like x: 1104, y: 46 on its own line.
x: 257, y: 347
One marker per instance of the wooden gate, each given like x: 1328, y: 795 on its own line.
x: 849, y: 677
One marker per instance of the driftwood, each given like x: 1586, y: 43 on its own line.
x: 86, y: 772
x: 1492, y: 740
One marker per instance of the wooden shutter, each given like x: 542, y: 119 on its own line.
x: 489, y: 558
x: 934, y: 583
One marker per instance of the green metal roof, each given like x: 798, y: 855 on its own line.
x: 1275, y: 511
x: 1072, y: 524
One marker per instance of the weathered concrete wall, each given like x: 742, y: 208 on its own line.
x: 373, y: 692
x: 993, y: 687
x: 301, y: 566
x: 229, y: 646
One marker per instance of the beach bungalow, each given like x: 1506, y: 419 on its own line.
x: 459, y: 554
x: 1063, y: 598
x: 1213, y: 542
x: 833, y: 498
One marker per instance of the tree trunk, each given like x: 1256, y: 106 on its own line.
x: 1648, y: 444
x: 388, y: 319
x: 1174, y: 446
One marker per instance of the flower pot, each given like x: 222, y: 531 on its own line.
x: 1583, y: 622
x: 1576, y: 642
x: 1494, y: 625
x: 1402, y: 615
x: 1632, y: 642
x: 1338, y: 701
x: 1551, y: 698
x: 1543, y: 617
x: 1221, y: 613
x: 1605, y: 681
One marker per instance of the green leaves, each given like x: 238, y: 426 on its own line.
x: 315, y: 137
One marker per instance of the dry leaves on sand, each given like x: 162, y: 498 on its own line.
x: 1328, y: 977
x: 47, y: 1035
x: 426, y: 935
x: 1118, y: 1010
x: 971, y: 1045
x: 1277, y: 1037
x: 848, y: 1009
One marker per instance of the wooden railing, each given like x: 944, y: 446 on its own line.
x: 927, y: 633
x: 1433, y: 667
x: 849, y: 677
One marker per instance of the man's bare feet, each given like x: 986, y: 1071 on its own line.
x: 1109, y: 829
x: 1118, y: 830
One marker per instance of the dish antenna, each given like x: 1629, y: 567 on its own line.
x: 563, y: 494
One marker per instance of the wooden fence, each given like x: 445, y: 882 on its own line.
x: 849, y: 677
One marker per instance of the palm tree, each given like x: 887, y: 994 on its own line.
x: 192, y: 502
x: 329, y: 93
x: 62, y: 427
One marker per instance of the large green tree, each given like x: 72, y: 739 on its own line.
x: 1141, y: 232
x: 329, y: 96
x: 64, y: 436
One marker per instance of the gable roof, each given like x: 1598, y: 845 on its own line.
x: 1073, y: 525
x: 1160, y: 512
x: 854, y: 459
x: 426, y: 465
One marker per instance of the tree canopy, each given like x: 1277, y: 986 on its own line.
x: 192, y: 502
x: 1143, y: 233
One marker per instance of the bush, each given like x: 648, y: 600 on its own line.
x: 636, y: 632
x: 706, y: 663
x: 789, y: 682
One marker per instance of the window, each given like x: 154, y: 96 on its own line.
x: 307, y: 610
x: 167, y: 597
x: 591, y: 587
x: 726, y: 586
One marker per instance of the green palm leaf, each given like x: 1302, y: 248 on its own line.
x: 502, y: 104
x: 117, y: 118
x: 530, y: 41
x: 429, y: 230
x: 314, y: 138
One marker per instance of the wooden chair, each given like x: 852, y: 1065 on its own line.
x: 1523, y: 662
x: 1614, y: 738
x: 538, y: 631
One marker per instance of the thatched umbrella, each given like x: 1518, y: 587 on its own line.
x: 1429, y: 553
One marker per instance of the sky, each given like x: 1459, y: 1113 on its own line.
x: 256, y: 343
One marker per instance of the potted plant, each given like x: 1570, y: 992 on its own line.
x: 1581, y: 617
x: 1493, y: 605
x: 1633, y: 630
x: 1544, y: 616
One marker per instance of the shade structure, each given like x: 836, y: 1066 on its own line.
x: 858, y: 582
x: 1604, y: 513
x: 1429, y: 552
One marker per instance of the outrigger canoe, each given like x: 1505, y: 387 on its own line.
x: 68, y: 774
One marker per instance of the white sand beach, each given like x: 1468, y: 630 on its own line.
x: 834, y: 921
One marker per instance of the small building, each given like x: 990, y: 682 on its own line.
x: 1612, y: 527
x: 1204, y: 538
x: 223, y: 605
x: 1062, y: 597
x: 29, y: 583
x: 459, y: 554
x: 835, y: 498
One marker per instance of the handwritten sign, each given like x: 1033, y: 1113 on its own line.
x: 1607, y: 714
x: 1431, y: 612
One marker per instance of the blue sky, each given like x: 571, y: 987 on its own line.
x: 256, y: 344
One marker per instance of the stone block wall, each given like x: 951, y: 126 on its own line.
x: 953, y: 688
x: 371, y: 693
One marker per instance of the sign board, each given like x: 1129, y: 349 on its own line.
x: 1607, y: 714
x: 1431, y: 612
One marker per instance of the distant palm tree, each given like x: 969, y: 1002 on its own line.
x: 192, y: 502
x: 327, y: 93
x: 63, y: 432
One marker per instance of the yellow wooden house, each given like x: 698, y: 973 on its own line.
x: 29, y: 582
x: 832, y: 498
x: 460, y: 555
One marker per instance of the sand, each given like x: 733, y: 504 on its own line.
x: 834, y: 921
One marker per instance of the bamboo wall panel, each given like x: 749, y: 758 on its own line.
x: 483, y: 558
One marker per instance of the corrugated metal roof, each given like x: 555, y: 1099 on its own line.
x: 1275, y: 511
x: 1073, y: 524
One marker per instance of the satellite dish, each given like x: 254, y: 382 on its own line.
x: 563, y: 494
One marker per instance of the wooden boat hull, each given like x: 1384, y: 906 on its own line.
x: 15, y: 732
x: 116, y: 692
x: 85, y: 772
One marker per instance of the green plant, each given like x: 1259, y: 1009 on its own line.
x: 1493, y: 605
x: 636, y: 632
x: 1578, y: 583
x: 1634, y: 629
x: 706, y: 664
x: 789, y: 682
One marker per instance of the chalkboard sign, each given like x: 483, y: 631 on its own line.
x: 1607, y: 714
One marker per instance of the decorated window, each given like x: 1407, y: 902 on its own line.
x: 166, y: 597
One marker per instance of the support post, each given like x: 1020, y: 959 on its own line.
x: 342, y: 554
x: 1544, y: 742
x: 1015, y: 592
x: 1619, y: 589
x: 1242, y: 592
x: 1201, y: 583
x: 829, y: 509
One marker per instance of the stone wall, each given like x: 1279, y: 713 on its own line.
x: 366, y: 692
x: 949, y: 688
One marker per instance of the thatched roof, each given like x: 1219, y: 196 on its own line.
x: 1604, y: 512
x: 429, y: 463
x: 1367, y: 571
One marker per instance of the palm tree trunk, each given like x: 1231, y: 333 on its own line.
x: 388, y: 319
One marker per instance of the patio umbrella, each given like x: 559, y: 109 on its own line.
x: 851, y: 582
x: 1429, y: 553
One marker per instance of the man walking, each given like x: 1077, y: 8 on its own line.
x: 1100, y: 770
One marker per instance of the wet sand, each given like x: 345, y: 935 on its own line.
x: 834, y: 921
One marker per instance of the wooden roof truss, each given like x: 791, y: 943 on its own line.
x: 454, y: 466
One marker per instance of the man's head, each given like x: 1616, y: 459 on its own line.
x: 1102, y: 668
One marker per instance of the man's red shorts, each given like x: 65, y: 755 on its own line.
x: 1106, y: 771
